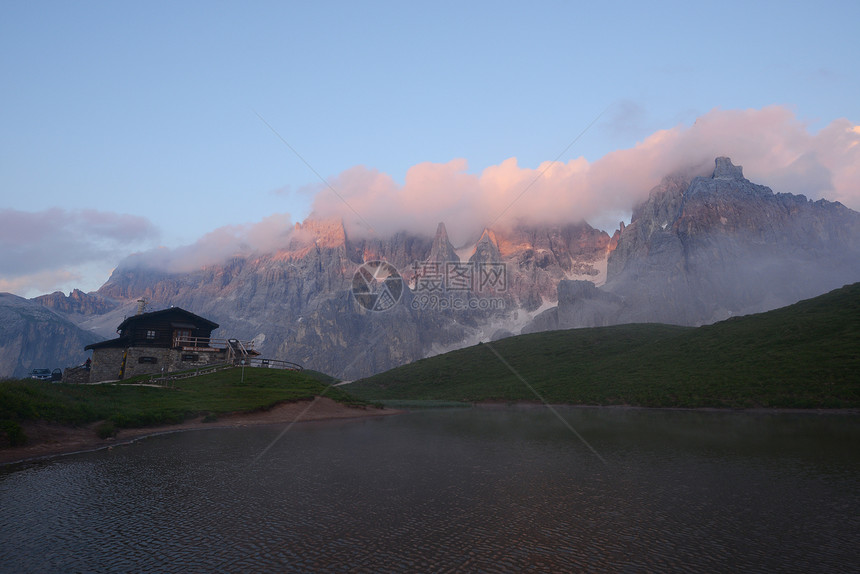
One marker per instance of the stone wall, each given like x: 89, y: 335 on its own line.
x: 185, y: 360
x: 76, y: 375
x: 107, y: 362
x: 163, y: 360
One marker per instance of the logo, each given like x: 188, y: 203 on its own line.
x: 377, y: 286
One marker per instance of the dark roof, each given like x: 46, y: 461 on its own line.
x: 110, y: 343
x: 172, y: 313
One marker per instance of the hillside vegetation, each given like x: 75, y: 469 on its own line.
x: 129, y: 405
x: 806, y: 355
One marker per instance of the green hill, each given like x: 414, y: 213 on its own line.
x: 132, y: 404
x: 803, y: 356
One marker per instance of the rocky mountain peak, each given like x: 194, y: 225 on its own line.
x: 77, y: 302
x: 322, y: 232
x: 725, y: 169
x: 442, y: 250
x: 487, y: 249
x: 488, y: 235
x: 704, y: 249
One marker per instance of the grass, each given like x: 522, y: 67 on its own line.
x: 806, y: 355
x: 129, y: 406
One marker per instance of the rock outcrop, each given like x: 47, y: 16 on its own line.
x: 34, y: 337
x: 702, y: 249
x: 487, y: 249
x: 580, y: 304
x: 442, y: 251
x: 77, y: 302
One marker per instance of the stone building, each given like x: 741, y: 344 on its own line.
x: 163, y: 341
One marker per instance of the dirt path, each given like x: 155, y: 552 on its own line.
x: 48, y: 439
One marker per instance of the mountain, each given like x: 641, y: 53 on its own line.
x: 703, y: 249
x: 296, y: 302
x: 700, y: 249
x: 35, y: 337
x: 77, y: 302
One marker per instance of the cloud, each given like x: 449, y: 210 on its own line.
x: 775, y: 148
x: 265, y: 236
x: 44, y: 248
x: 49, y: 248
x: 40, y: 283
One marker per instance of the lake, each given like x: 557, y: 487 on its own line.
x: 503, y: 489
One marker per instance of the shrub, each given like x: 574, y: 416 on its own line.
x: 14, y: 433
x: 106, y: 430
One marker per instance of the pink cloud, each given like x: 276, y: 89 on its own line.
x: 265, y: 236
x: 775, y: 148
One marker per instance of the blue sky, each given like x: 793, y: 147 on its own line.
x: 126, y: 126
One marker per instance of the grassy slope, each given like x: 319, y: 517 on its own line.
x: 804, y: 355
x: 134, y: 406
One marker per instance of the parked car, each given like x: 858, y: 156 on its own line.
x: 41, y: 374
x: 56, y: 375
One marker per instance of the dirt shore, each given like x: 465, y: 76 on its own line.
x: 50, y: 439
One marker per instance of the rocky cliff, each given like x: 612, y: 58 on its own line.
x: 77, y: 302
x: 296, y: 302
x: 702, y: 249
x: 34, y: 337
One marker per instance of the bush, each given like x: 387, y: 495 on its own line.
x: 14, y: 433
x: 106, y: 430
x: 210, y: 418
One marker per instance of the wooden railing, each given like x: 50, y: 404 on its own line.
x: 189, y: 343
x: 272, y: 364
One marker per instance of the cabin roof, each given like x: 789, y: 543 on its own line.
x: 179, y: 318
x: 120, y: 342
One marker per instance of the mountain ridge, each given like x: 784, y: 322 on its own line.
x: 33, y: 336
x: 678, y: 261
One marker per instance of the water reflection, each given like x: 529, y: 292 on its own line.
x: 496, y: 490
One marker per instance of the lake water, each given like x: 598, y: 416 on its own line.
x: 482, y: 489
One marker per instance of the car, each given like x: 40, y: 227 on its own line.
x: 41, y: 374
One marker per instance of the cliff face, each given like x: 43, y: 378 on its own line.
x: 34, y: 337
x: 297, y: 304
x: 77, y: 302
x: 703, y: 249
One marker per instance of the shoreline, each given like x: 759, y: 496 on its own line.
x: 47, y: 440
x: 748, y: 410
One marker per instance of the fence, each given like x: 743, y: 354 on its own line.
x: 198, y: 343
x: 272, y: 364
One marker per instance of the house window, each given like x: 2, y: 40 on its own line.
x: 150, y: 360
x: 190, y: 357
x: 150, y: 334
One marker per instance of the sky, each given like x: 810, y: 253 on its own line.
x: 192, y: 130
